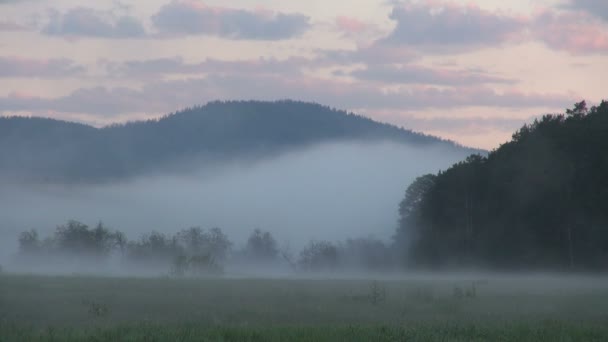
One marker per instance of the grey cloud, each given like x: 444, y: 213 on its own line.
x: 3, y: 2
x: 87, y: 22
x: 39, y: 68
x: 413, y: 74
x: 428, y: 27
x: 92, y: 101
x: 157, y: 67
x: 376, y: 54
x: 450, y: 26
x: 7, y: 25
x: 595, y: 7
x: 193, y: 18
x: 149, y: 68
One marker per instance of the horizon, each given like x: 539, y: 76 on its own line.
x: 471, y: 72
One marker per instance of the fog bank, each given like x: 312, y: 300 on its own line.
x: 329, y: 192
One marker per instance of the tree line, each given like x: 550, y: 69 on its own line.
x: 538, y: 201
x: 197, y: 251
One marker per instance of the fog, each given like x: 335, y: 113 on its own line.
x: 328, y: 192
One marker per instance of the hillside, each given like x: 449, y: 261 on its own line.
x: 37, y: 149
x: 539, y: 201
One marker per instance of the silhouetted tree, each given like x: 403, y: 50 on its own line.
x: 201, y: 252
x: 261, y: 246
x: 219, y: 244
x: 29, y: 242
x: 77, y: 238
x: 319, y: 256
x: 193, y: 240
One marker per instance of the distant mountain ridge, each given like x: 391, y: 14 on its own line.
x: 49, y: 150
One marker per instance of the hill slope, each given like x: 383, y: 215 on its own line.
x: 56, y: 151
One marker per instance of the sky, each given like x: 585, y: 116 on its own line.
x: 470, y: 71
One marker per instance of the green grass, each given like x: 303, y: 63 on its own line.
x: 543, y: 331
x: 36, y: 308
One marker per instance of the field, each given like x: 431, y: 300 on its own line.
x: 421, y: 308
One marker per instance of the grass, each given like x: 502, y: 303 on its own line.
x: 37, y: 308
x: 544, y: 331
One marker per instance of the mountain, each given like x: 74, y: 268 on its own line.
x: 539, y: 201
x: 38, y: 149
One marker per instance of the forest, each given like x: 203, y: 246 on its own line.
x: 537, y: 202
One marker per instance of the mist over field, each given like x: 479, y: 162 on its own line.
x: 327, y: 192
x: 313, y: 171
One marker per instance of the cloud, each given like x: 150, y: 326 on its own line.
x: 350, y: 25
x: 154, y: 68
x: 434, y: 26
x: 166, y: 96
x: 575, y: 32
x: 91, y: 101
x: 431, y: 26
x: 465, y: 125
x: 194, y: 18
x: 414, y: 74
x: 595, y: 7
x: 7, y: 25
x: 446, y: 26
x: 370, y: 55
x: 369, y: 96
x: 87, y: 22
x: 38, y: 68
x: 5, y: 2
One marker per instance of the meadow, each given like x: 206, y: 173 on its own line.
x: 409, y: 308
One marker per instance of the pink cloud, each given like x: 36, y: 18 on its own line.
x: 21, y: 95
x: 575, y: 32
x: 350, y: 25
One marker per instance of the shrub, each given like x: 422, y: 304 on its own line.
x: 377, y: 293
x: 469, y: 292
x: 95, y: 309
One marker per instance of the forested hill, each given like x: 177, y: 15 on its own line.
x: 56, y: 151
x: 539, y: 201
